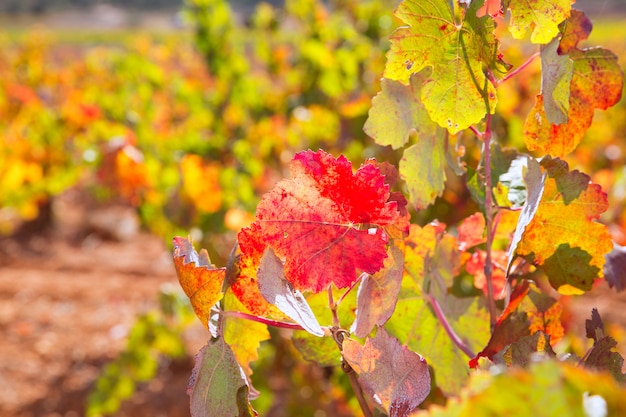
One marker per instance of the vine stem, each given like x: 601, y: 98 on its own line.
x: 446, y: 326
x: 518, y: 69
x: 489, y: 222
x: 358, y: 391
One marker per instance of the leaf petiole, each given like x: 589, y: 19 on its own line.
x: 269, y: 322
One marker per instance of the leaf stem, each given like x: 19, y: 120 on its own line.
x: 269, y: 322
x: 358, y: 390
x: 489, y: 223
x: 519, y: 69
x: 446, y: 325
x: 333, y: 307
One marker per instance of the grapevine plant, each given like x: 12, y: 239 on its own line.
x: 436, y: 320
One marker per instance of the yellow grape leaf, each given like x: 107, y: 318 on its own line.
x: 201, y: 183
x: 541, y: 16
x: 457, y: 94
x: 243, y: 336
x: 556, y: 77
x: 201, y: 281
x: 562, y: 236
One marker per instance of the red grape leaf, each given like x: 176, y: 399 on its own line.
x: 279, y: 292
x: 596, y: 84
x: 575, y: 29
x: 563, y: 227
x: 541, y: 16
x: 397, y: 378
x: 217, y: 386
x: 492, y: 8
x: 476, y: 266
x: 471, y: 231
x: 615, y: 268
x: 327, y: 222
x: 378, y: 294
x: 457, y: 94
x: 201, y: 281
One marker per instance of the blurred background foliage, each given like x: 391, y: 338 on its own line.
x: 191, y: 127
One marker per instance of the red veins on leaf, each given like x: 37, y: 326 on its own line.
x: 327, y: 222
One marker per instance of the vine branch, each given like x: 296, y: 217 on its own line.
x: 489, y: 223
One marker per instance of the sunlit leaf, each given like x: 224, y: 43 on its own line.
x: 397, y: 378
x: 574, y: 30
x: 200, y: 280
x: 457, y: 93
x: 563, y: 227
x: 279, y: 292
x: 327, y: 222
x: 218, y: 386
x: 242, y: 336
x: 542, y: 17
x: 471, y: 231
x: 596, y: 84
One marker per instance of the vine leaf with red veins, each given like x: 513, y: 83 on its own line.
x: 457, y: 94
x: 201, y: 281
x: 561, y: 236
x: 596, y: 83
x: 279, y: 292
x: 397, y: 378
x: 327, y: 222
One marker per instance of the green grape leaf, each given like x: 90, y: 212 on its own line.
x: 279, y: 292
x: 378, y: 294
x: 556, y: 77
x: 396, y: 111
x: 542, y: 17
x: 457, y: 94
x: 397, y: 379
x: 201, y: 281
x: 596, y: 83
x: 527, y: 349
x: 217, y: 386
x: 432, y: 260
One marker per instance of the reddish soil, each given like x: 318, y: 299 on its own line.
x: 64, y: 311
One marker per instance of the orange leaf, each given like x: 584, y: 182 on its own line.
x: 201, y: 281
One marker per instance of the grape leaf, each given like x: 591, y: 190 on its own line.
x: 525, y: 350
x: 395, y: 112
x: 556, y: 77
x: 217, y: 386
x: 471, y: 231
x: 562, y: 227
x: 574, y: 30
x: 615, y: 268
x: 327, y: 221
x: 279, y: 292
x: 432, y: 260
x: 529, y: 311
x: 378, y: 294
x: 492, y: 8
x: 602, y: 356
x: 397, y: 378
x: 457, y: 93
x: 542, y: 17
x: 200, y: 280
x: 596, y: 84
x: 242, y: 336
